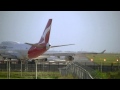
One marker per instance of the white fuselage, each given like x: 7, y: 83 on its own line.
x: 15, y: 50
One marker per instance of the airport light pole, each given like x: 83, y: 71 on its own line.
x: 117, y: 60
x: 118, y: 63
x: 104, y: 60
x: 101, y: 64
x: 94, y: 63
x: 91, y: 59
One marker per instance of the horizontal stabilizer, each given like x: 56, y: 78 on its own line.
x: 35, y: 45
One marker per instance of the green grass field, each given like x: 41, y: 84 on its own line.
x: 31, y: 75
x: 107, y: 75
x: 98, y: 58
x: 110, y: 58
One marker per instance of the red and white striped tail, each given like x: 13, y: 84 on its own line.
x: 46, y: 33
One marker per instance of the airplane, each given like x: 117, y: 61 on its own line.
x: 83, y: 52
x: 50, y: 59
x: 57, y: 56
x: 65, y: 56
x: 25, y: 51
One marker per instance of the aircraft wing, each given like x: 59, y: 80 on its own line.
x: 56, y: 56
x: 59, y: 54
x: 93, y: 52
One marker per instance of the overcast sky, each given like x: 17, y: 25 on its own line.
x: 88, y: 30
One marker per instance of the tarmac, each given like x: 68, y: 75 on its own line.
x: 82, y: 59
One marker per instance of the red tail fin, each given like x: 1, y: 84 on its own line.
x: 46, y: 33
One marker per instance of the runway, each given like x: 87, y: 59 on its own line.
x: 82, y: 59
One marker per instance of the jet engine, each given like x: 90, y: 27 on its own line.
x: 44, y: 60
x: 69, y: 58
x: 54, y: 58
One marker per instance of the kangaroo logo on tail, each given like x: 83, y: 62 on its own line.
x: 46, y: 33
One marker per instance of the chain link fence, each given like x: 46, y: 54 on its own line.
x: 77, y: 70
x: 45, y: 66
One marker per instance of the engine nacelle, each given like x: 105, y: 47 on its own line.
x: 44, y: 60
x: 69, y: 58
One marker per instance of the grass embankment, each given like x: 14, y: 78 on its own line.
x: 56, y: 75
x: 107, y: 75
x: 109, y: 58
x: 31, y: 75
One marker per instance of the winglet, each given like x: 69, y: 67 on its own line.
x: 103, y: 51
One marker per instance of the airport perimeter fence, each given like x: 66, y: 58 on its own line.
x: 32, y: 67
x: 104, y: 67
x: 87, y: 70
x: 78, y: 71
x: 50, y: 66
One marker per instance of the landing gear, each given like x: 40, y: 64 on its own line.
x: 31, y: 62
x: 19, y: 61
x: 44, y: 60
